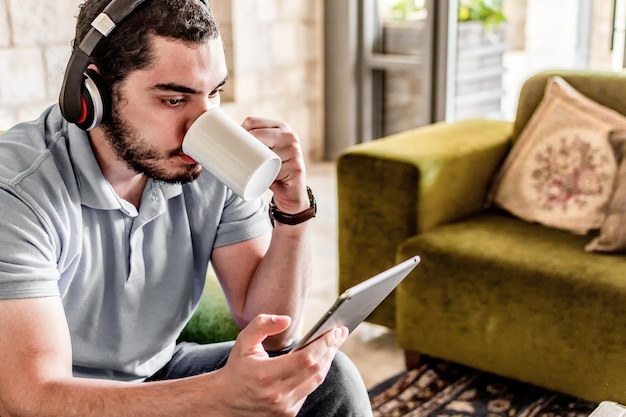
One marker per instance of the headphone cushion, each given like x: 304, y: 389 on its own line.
x: 95, y: 100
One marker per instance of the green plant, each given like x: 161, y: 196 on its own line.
x: 403, y: 9
x: 487, y: 11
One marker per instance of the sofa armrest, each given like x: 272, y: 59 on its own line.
x: 395, y: 187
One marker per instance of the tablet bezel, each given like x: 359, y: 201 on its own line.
x: 372, y: 292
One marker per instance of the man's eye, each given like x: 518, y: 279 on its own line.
x: 174, y: 101
x: 216, y: 92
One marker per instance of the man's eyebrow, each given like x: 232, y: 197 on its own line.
x: 222, y: 83
x: 178, y: 88
x: 175, y: 88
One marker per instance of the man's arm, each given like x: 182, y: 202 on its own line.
x: 267, y: 278
x: 36, y: 370
x: 271, y: 275
x: 36, y: 373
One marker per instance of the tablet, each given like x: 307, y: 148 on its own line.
x: 356, y: 303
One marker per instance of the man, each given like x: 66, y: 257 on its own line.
x: 107, y: 233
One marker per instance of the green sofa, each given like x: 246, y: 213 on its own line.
x: 492, y: 292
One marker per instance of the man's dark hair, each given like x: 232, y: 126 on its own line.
x: 128, y: 47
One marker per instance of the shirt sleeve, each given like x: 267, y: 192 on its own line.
x: 242, y: 220
x: 27, y: 258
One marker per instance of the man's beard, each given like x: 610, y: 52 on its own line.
x: 140, y: 156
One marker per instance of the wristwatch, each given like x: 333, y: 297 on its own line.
x: 293, y: 219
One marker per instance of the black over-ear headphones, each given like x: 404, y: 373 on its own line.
x: 85, y: 99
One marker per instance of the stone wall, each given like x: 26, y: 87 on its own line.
x: 35, y: 40
x: 274, y: 52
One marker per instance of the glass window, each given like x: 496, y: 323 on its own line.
x: 396, y: 66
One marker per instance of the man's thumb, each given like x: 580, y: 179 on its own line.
x: 262, y: 326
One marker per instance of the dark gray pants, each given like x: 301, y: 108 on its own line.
x: 342, y: 394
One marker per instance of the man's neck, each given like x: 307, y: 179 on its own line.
x: 127, y: 183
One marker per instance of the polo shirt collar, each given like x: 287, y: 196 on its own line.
x: 96, y: 191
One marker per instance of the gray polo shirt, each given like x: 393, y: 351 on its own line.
x: 129, y: 279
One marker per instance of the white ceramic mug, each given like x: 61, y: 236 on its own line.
x: 238, y: 159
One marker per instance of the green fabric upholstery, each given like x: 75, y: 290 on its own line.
x: 212, y: 321
x: 523, y: 300
x: 407, y: 183
x: 493, y: 292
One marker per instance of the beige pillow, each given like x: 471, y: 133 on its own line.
x: 560, y: 171
x: 612, y: 236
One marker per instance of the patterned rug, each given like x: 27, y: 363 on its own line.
x: 438, y: 388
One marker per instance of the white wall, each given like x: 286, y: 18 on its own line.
x: 558, y: 34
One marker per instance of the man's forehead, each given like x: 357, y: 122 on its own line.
x: 184, y: 63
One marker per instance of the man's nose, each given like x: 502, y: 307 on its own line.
x: 203, y: 107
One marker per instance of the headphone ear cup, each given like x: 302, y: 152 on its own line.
x: 95, y: 101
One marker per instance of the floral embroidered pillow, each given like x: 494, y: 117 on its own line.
x: 612, y: 236
x: 560, y: 171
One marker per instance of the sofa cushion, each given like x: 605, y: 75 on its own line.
x: 517, y: 299
x: 605, y: 87
x: 560, y: 171
x: 612, y: 236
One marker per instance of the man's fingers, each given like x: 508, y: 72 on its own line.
x: 312, y: 362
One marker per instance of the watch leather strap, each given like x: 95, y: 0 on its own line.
x: 294, y: 219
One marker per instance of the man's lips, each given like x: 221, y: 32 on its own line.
x: 187, y: 159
